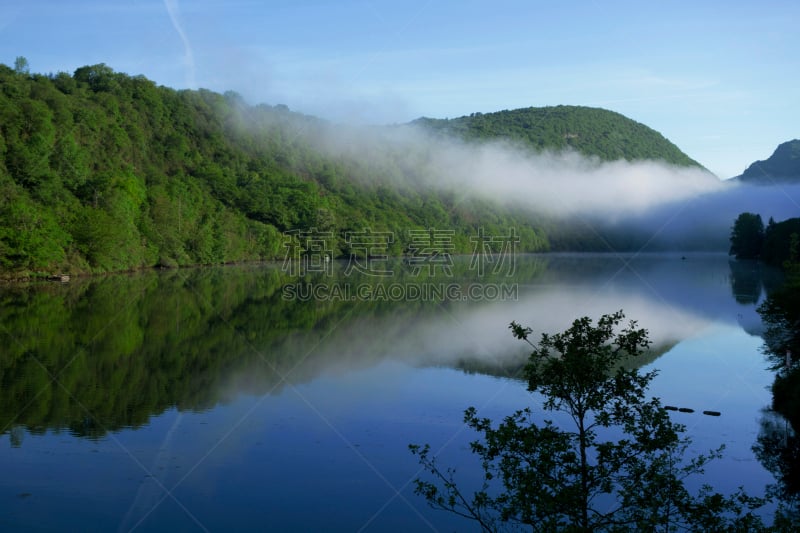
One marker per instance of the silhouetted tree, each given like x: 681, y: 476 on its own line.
x: 617, y: 465
x: 747, y: 236
x: 780, y: 242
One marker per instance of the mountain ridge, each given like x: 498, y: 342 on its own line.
x: 591, y: 131
x: 781, y: 167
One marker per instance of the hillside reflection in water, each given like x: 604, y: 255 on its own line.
x: 205, y: 398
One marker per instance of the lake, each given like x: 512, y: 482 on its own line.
x: 251, y: 398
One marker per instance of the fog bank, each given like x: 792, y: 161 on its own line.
x: 649, y: 204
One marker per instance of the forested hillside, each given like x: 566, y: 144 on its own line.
x: 591, y: 131
x: 101, y: 171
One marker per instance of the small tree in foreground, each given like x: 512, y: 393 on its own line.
x: 619, y: 464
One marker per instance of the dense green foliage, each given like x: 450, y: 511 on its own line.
x: 783, y: 165
x: 616, y: 462
x: 101, y: 171
x: 591, y: 131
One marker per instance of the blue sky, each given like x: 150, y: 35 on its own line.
x: 721, y: 79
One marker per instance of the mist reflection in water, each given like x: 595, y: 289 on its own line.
x: 250, y: 409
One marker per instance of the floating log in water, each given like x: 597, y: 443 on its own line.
x: 63, y: 278
x: 688, y: 410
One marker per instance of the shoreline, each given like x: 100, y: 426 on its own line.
x: 7, y: 279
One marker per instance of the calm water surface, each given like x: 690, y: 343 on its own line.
x: 215, y: 399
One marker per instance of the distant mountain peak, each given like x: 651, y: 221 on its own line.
x: 782, y: 166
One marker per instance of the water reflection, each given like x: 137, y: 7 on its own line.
x: 778, y: 449
x: 778, y: 446
x: 102, y: 354
x: 253, y: 411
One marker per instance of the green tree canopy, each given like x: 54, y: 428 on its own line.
x: 197, y: 177
x: 21, y: 65
x: 591, y: 131
x: 101, y: 171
